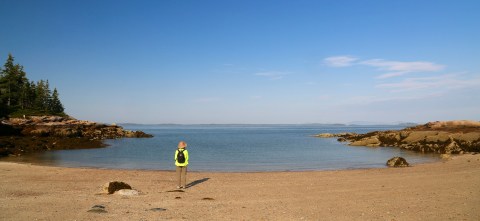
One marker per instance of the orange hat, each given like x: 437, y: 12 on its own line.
x: 182, y: 145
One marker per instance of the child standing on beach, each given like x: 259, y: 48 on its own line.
x: 181, y: 162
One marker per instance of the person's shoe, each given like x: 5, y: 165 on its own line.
x: 179, y: 187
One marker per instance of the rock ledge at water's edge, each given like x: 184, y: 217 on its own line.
x: 39, y: 133
x: 444, y: 137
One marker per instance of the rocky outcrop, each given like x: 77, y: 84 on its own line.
x: 326, y: 135
x: 444, y: 137
x: 397, y: 162
x: 67, y: 127
x: 23, y: 135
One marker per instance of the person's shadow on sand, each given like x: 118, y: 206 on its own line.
x: 196, y: 182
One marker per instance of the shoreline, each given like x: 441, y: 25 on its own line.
x: 29, y: 162
x: 219, y: 171
x: 428, y: 191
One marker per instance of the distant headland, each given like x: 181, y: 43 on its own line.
x: 33, y: 118
x: 444, y: 137
x: 19, y: 136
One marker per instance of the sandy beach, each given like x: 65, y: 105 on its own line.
x: 447, y: 190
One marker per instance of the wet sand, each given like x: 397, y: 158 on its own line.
x: 447, y: 190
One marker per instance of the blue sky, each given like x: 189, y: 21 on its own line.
x: 251, y: 61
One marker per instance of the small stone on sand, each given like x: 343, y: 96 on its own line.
x: 158, y: 209
x: 97, y: 209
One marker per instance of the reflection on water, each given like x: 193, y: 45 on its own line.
x: 232, y: 148
x: 46, y: 158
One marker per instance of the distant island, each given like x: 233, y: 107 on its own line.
x: 274, y: 124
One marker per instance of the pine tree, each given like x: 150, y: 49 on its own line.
x: 11, y: 83
x: 19, y: 96
x: 5, y: 86
x: 3, y: 91
x: 28, y: 95
x: 56, y: 106
x: 41, y: 96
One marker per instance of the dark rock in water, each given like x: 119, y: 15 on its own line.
x: 397, y: 162
x: 4, y: 152
x: 112, y: 187
x: 97, y: 209
x: 325, y: 135
x: 137, y: 134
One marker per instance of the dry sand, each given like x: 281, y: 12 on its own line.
x: 448, y: 190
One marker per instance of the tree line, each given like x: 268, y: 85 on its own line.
x: 19, y: 96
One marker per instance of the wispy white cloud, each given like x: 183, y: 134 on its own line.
x: 340, y: 61
x: 403, y: 66
x: 448, y: 81
x: 394, y: 68
x: 272, y: 75
x: 399, y: 68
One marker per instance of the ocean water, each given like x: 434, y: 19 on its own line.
x: 233, y: 148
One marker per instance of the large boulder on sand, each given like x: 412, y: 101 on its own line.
x: 112, y: 187
x: 397, y: 162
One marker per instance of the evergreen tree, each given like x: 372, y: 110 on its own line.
x: 41, y: 96
x: 3, y: 92
x: 24, y: 96
x: 19, y: 96
x: 56, y: 106
x: 48, y: 96
x: 30, y: 95
x: 12, y: 83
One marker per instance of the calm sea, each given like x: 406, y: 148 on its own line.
x: 233, y: 148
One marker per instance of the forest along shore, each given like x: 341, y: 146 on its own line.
x: 20, y: 136
x: 443, y: 137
